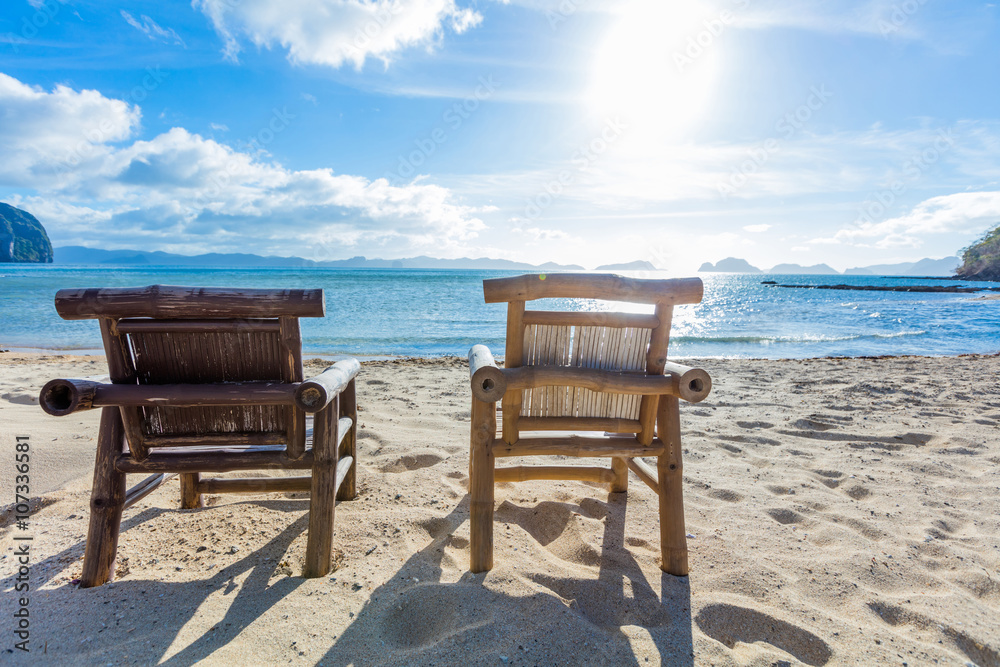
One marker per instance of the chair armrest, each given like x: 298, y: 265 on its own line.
x: 63, y: 397
x: 488, y: 381
x: 66, y: 396
x: 316, y: 393
x: 693, y: 384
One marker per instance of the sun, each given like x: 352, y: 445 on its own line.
x: 657, y: 67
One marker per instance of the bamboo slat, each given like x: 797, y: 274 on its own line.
x: 481, y: 485
x: 592, y: 286
x: 644, y: 473
x: 107, y: 500
x: 169, y: 302
x: 656, y: 358
x: 142, y: 325
x: 291, y: 371
x: 670, y: 475
x: 514, y: 358
x: 576, y: 446
x: 256, y: 485
x: 322, y: 491
x: 579, y: 424
x: 145, y: 487
x: 347, y: 445
x: 122, y: 371
x: 591, y: 319
x: 578, y: 473
x: 216, y: 460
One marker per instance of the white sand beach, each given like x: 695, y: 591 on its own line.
x: 842, y: 511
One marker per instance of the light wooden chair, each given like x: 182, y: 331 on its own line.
x: 209, y: 380
x: 583, y: 371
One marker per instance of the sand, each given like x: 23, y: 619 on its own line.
x: 842, y: 511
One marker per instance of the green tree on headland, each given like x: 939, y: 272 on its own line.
x: 22, y: 237
x: 981, y: 260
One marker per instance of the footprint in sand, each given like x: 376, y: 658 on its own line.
x: 726, y: 495
x: 559, y: 527
x: 830, y: 478
x: 812, y: 425
x: 785, y: 516
x: 730, y: 625
x: 976, y: 651
x: 441, y: 612
x: 751, y: 439
x: 732, y: 449
x: 412, y: 462
x: 858, y: 492
x: 753, y: 425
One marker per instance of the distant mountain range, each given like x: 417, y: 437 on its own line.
x: 94, y: 256
x: 926, y: 267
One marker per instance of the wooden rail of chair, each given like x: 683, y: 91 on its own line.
x: 690, y: 384
x: 608, y: 287
x: 170, y: 302
x: 316, y: 393
x: 61, y: 397
x: 488, y: 382
x: 218, y: 460
x: 585, y: 319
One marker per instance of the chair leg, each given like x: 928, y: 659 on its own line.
x: 322, y: 501
x: 190, y: 497
x: 349, y: 408
x: 481, y: 469
x: 670, y: 477
x: 620, y: 469
x: 106, y: 501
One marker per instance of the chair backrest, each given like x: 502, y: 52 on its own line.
x: 182, y: 335
x: 617, y: 341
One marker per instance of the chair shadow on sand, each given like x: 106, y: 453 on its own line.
x: 420, y: 619
x: 157, y: 611
x: 415, y: 615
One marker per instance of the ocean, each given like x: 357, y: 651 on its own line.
x: 428, y: 313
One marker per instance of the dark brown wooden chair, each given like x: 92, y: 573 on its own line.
x: 209, y: 380
x: 583, y: 371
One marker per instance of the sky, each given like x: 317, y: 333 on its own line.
x: 589, y: 132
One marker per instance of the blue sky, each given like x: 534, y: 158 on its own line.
x: 578, y: 131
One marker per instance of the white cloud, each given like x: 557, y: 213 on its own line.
x: 45, y: 137
x: 332, y: 32
x: 181, y: 188
x: 219, y: 127
x: 756, y: 229
x: 967, y: 212
x: 151, y: 29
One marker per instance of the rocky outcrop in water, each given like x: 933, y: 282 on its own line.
x: 22, y: 237
x: 981, y: 260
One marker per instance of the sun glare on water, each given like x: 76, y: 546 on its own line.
x: 656, y: 67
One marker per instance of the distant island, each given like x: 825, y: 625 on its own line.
x: 981, y: 260
x: 926, y: 267
x: 638, y: 265
x: 22, y: 237
x: 94, y: 256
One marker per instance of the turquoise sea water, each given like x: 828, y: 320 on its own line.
x: 431, y: 313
